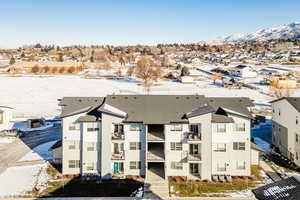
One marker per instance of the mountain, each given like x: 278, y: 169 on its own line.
x: 280, y: 32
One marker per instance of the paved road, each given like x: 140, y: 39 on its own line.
x: 12, y: 152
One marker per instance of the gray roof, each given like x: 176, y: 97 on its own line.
x: 155, y: 109
x: 294, y: 101
x: 216, y: 118
x: 87, y: 118
x: 76, y: 105
x: 201, y: 111
x: 256, y: 147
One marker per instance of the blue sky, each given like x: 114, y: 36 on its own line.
x: 65, y: 22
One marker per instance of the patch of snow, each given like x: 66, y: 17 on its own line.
x: 40, y: 152
x: 19, y: 180
x: 6, y: 140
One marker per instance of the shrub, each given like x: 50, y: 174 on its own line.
x: 71, y: 70
x: 61, y: 70
x: 54, y: 70
x: 35, y: 69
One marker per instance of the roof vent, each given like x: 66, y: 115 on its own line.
x: 177, y: 97
x: 126, y: 97
x: 187, y: 97
x: 113, y: 97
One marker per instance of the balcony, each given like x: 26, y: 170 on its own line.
x: 118, y: 156
x: 118, y: 136
x: 155, y: 152
x: 194, y: 157
x: 155, y: 132
x: 192, y: 136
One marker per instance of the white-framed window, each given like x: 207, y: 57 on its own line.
x: 135, y: 165
x: 176, y: 165
x: 90, y: 166
x: 176, y: 146
x: 176, y: 127
x: 91, y: 146
x: 135, y: 146
x: 239, y: 146
x: 73, y: 145
x: 74, y: 127
x: 118, y: 148
x: 74, y: 164
x: 221, y: 167
x: 134, y: 127
x: 118, y: 128
x: 297, y: 138
x: 240, y: 127
x: 240, y: 165
x: 221, y: 128
x: 220, y: 147
x: 91, y: 127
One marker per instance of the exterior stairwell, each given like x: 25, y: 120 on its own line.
x: 155, y: 187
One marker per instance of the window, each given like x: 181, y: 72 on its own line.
x: 297, y: 156
x: 74, y: 127
x: 176, y: 127
x: 239, y: 127
x: 241, y: 165
x: 221, y: 128
x: 134, y: 127
x: 90, y: 166
x: 193, y: 128
x: 239, y: 146
x: 176, y: 146
x: 297, y: 138
x: 176, y: 165
x: 91, y: 146
x: 296, y: 120
x: 73, y: 163
x: 118, y: 148
x: 221, y: 167
x: 92, y: 127
x: 135, y: 146
x: 135, y: 165
x: 73, y: 145
x: 279, y: 112
x: 194, y: 168
x: 220, y: 147
x: 118, y: 128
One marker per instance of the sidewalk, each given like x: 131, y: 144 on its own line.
x: 269, y: 171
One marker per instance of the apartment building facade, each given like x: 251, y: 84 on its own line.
x: 169, y: 135
x: 286, y: 127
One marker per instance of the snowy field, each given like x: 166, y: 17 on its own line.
x: 22, y: 179
x: 37, y: 96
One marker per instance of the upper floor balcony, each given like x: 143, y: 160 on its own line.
x: 155, y: 133
x: 155, y: 152
x: 118, y: 132
x: 118, y: 155
x: 194, y: 133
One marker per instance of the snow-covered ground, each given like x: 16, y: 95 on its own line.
x: 40, y: 152
x: 20, y: 180
x: 37, y: 96
x: 6, y: 140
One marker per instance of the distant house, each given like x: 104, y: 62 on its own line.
x: 5, y: 118
x: 57, y: 152
x: 244, y: 71
x: 286, y: 127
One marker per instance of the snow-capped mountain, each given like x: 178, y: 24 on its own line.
x: 280, y: 32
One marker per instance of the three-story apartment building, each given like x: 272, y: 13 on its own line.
x: 286, y: 127
x: 168, y: 135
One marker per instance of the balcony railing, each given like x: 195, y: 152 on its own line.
x: 155, y: 156
x: 118, y: 156
x: 155, y: 136
x: 191, y: 136
x: 118, y: 136
x: 194, y: 157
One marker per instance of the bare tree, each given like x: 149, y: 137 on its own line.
x: 145, y: 71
